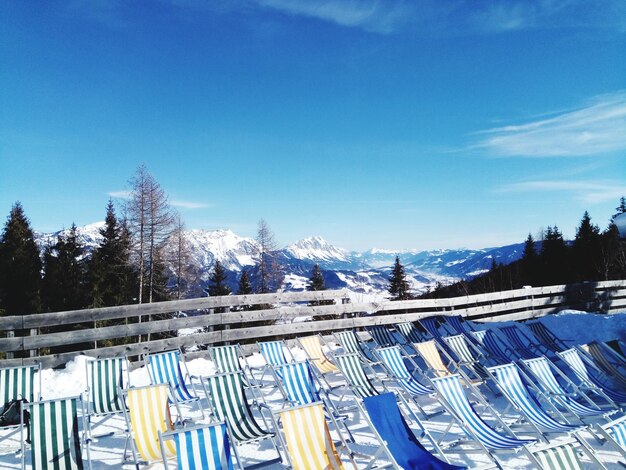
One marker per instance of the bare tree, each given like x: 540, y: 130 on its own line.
x: 184, y: 274
x: 270, y: 276
x: 150, y: 222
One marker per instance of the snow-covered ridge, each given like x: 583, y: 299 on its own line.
x: 316, y: 249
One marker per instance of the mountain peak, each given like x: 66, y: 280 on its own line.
x: 316, y: 249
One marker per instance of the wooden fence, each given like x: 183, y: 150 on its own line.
x: 251, y: 317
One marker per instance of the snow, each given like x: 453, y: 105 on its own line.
x: 106, y: 452
x: 316, y: 249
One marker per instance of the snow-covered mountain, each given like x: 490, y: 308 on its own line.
x: 363, y: 272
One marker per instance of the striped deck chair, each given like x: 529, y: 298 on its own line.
x: 312, y: 345
x: 544, y: 371
x: 548, y: 339
x: 468, y: 356
x: 350, y: 343
x: 558, y: 457
x: 410, y: 333
x: 607, y: 359
x: 397, y: 439
x: 381, y: 335
x: 19, y: 382
x: 273, y: 353
x: 201, y: 447
x: 509, y: 380
x: 308, y: 441
x: 454, y: 398
x: 356, y: 378
x: 520, y: 342
x: 430, y: 354
x: 615, y: 433
x: 165, y: 368
x: 56, y: 440
x: 148, y: 415
x: 297, y: 383
x: 393, y: 359
x: 105, y: 378
x: 494, y: 348
x: 226, y: 358
x: 589, y: 377
x: 228, y: 401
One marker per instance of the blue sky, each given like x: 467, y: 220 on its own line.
x: 390, y: 124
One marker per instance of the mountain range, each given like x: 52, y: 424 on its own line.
x: 365, y: 272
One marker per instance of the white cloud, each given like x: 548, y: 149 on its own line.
x: 370, y: 15
x: 591, y: 192
x: 188, y: 204
x: 123, y: 194
x: 597, y: 128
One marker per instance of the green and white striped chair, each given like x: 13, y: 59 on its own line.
x: 19, y: 382
x: 228, y: 403
x: 226, y: 358
x: 562, y: 456
x: 56, y: 441
x: 105, y: 377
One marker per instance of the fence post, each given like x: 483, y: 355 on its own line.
x: 227, y: 326
x: 10, y: 334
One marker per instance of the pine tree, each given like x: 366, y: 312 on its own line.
x: 587, y: 249
x: 529, y: 261
x: 64, y: 284
x: 217, y: 281
x: 245, y: 287
x: 112, y: 278
x: 398, y: 285
x: 316, y: 281
x: 554, y: 258
x: 20, y: 266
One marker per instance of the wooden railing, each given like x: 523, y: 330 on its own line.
x: 276, y: 315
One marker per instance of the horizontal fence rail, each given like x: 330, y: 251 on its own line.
x: 245, y: 318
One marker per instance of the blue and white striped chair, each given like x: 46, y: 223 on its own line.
x: 393, y: 360
x: 273, y: 353
x: 297, y: 383
x: 410, y: 333
x: 202, y: 447
x: 165, y: 368
x: 615, y: 433
x: 454, y: 398
x: 544, y: 371
x: 381, y: 335
x: 591, y: 378
x: 494, y: 348
x: 520, y: 342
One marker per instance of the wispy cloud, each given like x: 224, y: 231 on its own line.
x: 188, y: 204
x: 123, y: 194
x: 596, y: 128
x: 591, y: 192
x: 371, y: 15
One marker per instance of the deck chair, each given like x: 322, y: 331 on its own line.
x: 493, y: 346
x: 545, y: 372
x: 517, y: 391
x: 165, y: 368
x: 410, y: 333
x: 607, y: 359
x: 148, y: 414
x: 56, y: 442
x: 226, y: 358
x: 273, y: 353
x: 430, y: 354
x: 520, y: 342
x: 546, y: 337
x: 381, y: 335
x: 19, y: 382
x: 228, y: 403
x: 488, y: 440
x: 308, y: 441
x: 105, y: 377
x: 351, y: 344
x: 459, y: 324
x: 312, y: 346
x: 591, y: 378
x: 205, y: 446
x: 559, y: 457
x: 396, y: 437
x: 468, y: 355
x: 615, y: 433
x: 352, y: 368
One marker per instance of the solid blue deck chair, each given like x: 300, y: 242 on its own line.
x: 454, y: 398
x: 546, y: 337
x: 165, y: 368
x: 509, y: 380
x: 205, y: 446
x: 591, y: 377
x: 544, y: 371
x: 397, y: 438
x: 381, y: 335
x: 520, y: 342
x: 410, y: 333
